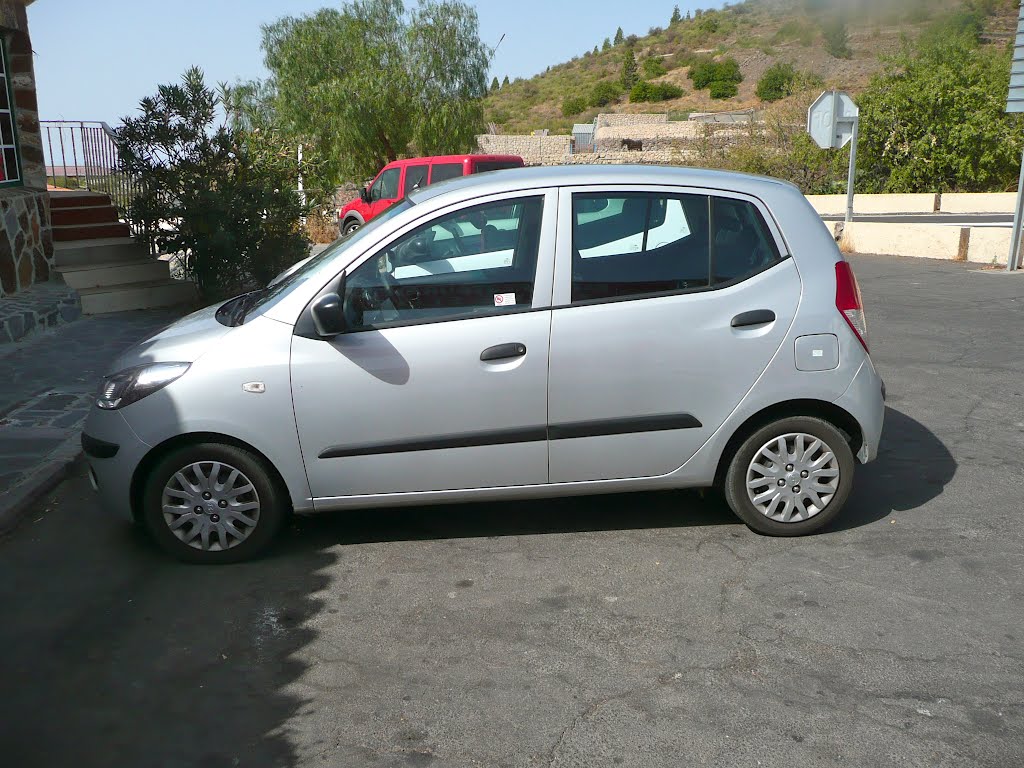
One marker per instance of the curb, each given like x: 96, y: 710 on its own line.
x: 17, y: 501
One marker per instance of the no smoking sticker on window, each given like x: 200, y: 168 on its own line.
x: 501, y: 299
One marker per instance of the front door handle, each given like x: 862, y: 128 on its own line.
x: 755, y: 317
x: 503, y: 352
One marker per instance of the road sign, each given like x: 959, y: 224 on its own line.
x: 833, y: 122
x: 831, y: 119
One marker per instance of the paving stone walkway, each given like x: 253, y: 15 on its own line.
x: 47, y: 383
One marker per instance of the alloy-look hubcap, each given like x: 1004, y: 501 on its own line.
x: 792, y: 477
x: 210, y: 506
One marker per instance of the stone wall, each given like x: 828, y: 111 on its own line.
x: 656, y: 157
x: 26, y: 240
x: 612, y: 120
x: 535, y: 150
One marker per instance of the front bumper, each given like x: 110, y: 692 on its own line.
x: 114, y: 452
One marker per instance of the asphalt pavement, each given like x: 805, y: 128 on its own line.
x: 645, y: 630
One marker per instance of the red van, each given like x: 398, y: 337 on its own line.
x: 403, y: 176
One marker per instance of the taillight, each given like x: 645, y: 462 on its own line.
x: 849, y: 303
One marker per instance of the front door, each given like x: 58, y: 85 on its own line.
x: 652, y: 347
x: 441, y: 381
x: 385, y: 190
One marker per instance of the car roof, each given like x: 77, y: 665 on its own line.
x: 539, y: 177
x: 451, y: 159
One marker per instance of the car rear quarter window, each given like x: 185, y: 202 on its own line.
x: 643, y: 244
x: 445, y: 171
x: 743, y: 244
x: 482, y: 166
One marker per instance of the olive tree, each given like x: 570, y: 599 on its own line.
x: 374, y: 81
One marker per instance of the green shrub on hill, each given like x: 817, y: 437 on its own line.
x: 654, y: 68
x: 777, y: 82
x: 604, y: 93
x: 705, y: 71
x: 573, y: 105
x: 723, y: 89
x: 645, y: 92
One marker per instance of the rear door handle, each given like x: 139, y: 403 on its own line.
x: 503, y: 352
x: 754, y: 317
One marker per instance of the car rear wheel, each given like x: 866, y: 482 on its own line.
x: 791, y: 477
x: 212, y: 503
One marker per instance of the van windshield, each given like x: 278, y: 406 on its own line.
x: 323, y: 260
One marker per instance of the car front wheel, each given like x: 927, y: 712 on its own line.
x: 791, y: 477
x: 212, y: 503
x: 349, y: 227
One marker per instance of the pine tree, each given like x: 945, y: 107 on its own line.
x: 688, y: 16
x: 595, y: 50
x: 494, y: 84
x: 504, y: 82
x: 676, y: 16
x: 629, y: 76
x: 607, y: 44
x: 619, y: 37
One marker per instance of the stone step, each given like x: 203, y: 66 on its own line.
x: 99, y: 251
x: 148, y: 295
x: 77, y: 199
x: 90, y: 231
x: 93, y: 214
x: 112, y: 273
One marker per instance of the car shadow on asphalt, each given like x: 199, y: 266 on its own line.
x: 912, y: 467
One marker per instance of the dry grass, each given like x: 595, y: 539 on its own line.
x: 322, y: 226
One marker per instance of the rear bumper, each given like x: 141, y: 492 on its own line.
x: 864, y: 399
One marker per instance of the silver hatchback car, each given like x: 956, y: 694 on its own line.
x: 519, y: 334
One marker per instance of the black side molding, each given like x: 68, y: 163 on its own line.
x: 601, y: 428
x: 503, y: 437
x: 623, y: 426
x: 756, y: 317
x: 98, y: 449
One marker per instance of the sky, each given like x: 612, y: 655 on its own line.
x: 95, y: 60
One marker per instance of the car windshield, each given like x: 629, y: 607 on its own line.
x: 267, y: 295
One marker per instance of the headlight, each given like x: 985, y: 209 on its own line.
x: 131, y: 384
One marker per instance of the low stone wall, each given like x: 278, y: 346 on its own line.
x: 611, y: 120
x: 43, y: 306
x: 606, y: 157
x: 535, y: 150
x: 980, y: 245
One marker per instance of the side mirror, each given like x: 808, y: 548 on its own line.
x: 365, y: 194
x: 328, y: 315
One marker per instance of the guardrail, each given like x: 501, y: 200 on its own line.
x: 82, y: 155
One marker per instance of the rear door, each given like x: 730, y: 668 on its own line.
x: 669, y: 303
x: 445, y: 170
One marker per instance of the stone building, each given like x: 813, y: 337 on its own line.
x: 26, y: 237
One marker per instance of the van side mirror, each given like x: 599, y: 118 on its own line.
x: 328, y: 313
x: 364, y: 194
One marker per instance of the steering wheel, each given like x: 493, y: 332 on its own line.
x: 392, y: 291
x: 457, y: 240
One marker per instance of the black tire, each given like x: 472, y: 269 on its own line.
x: 350, y: 226
x: 273, y: 507
x: 735, y: 485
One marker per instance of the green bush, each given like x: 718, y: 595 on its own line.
x: 837, y: 39
x: 230, y: 192
x: 654, y: 68
x: 647, y: 92
x: 604, y: 93
x: 705, y: 71
x: 723, y: 89
x: 573, y: 105
x: 777, y: 82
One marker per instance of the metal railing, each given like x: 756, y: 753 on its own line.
x: 82, y: 155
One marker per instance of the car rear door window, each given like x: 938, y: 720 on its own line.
x: 475, y: 261
x: 416, y: 177
x: 445, y: 171
x: 638, y: 244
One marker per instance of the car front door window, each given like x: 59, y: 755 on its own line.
x: 476, y: 261
x: 386, y: 185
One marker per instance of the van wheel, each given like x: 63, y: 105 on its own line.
x: 212, y: 503
x: 349, y: 227
x: 791, y: 477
